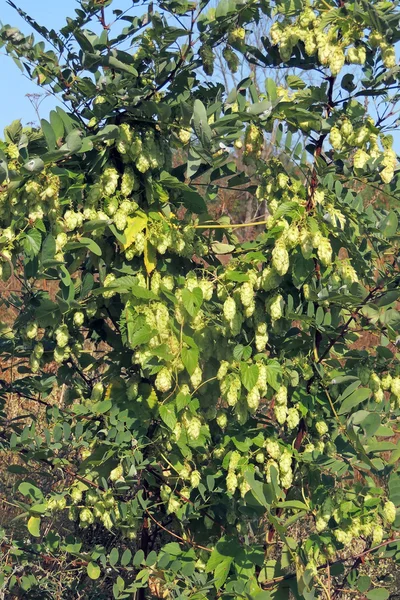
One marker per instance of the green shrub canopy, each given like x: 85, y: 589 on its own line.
x: 217, y: 414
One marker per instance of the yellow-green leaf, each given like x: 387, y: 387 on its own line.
x: 34, y: 526
x: 150, y: 258
x: 93, y: 570
x: 134, y: 226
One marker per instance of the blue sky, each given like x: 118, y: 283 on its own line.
x: 14, y: 103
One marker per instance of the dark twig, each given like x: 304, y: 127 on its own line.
x: 268, y: 584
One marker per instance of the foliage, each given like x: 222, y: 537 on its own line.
x: 212, y: 428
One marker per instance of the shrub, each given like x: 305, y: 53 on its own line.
x: 215, y: 426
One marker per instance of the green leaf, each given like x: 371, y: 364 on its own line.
x: 100, y: 408
x: 394, y: 488
x: 114, y: 556
x: 221, y: 572
x: 13, y: 131
x: 141, y: 292
x: 110, y: 61
x: 391, y: 317
x: 167, y: 414
x: 258, y: 489
x: 220, y: 248
x: 286, y: 208
x: 171, y: 182
x: 73, y: 141
x: 301, y: 269
x: 34, y: 526
x: 126, y: 284
x: 83, y: 41
x: 363, y: 583
x: 57, y: 125
x: 93, y: 225
x: 248, y: 375
x: 49, y: 134
x: 17, y: 469
x: 264, y: 106
x: 371, y: 423
x: 35, y: 165
x: 390, y: 225
x: 138, y: 558
x: 93, y: 570
x: 350, y: 388
x: 126, y: 557
x: 270, y: 88
x: 347, y: 82
x: 39, y: 508
x: 91, y: 245
x: 200, y: 123
x: 378, y: 594
x: 87, y: 285
x: 140, y: 336
x: 293, y: 504
x: 319, y: 315
x: 192, y: 300
x: 295, y: 82
x: 298, y: 151
x: 182, y: 400
x: 224, y: 7
x: 388, y: 297
x: 47, y: 313
x: 193, y: 201
x: 3, y: 168
x: 151, y: 559
x: 31, y: 491
x: 353, y: 400
x: 241, y: 352
x: 190, y: 198
x: 221, y: 559
x: 32, y: 242
x: 274, y: 373
x: 236, y: 276
x: 109, y: 132
x: 264, y: 595
x: 48, y: 248
x: 69, y: 122
x: 87, y: 145
x: 190, y: 359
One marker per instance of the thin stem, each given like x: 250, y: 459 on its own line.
x: 232, y: 225
x: 178, y: 537
x: 326, y: 591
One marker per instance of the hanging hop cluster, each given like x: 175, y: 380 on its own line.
x: 333, y: 44
x: 371, y: 146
